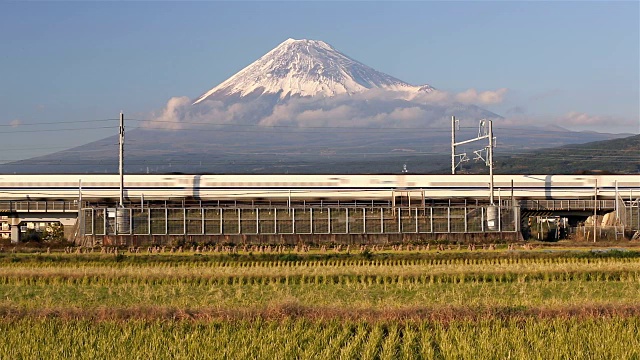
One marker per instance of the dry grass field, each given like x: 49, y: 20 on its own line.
x: 386, y: 304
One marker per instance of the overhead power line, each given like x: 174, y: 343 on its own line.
x: 286, y: 126
x: 285, y: 161
x: 226, y: 126
x: 57, y: 130
x: 314, y: 150
x: 56, y: 122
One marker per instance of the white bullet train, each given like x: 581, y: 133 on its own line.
x: 301, y: 187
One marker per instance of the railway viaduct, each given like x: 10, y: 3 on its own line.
x: 198, y: 221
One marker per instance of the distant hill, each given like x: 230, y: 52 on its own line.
x: 273, y: 151
x: 617, y: 156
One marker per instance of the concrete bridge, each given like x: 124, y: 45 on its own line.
x: 15, y: 213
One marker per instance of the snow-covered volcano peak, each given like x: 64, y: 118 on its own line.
x: 306, y: 68
x: 305, y: 42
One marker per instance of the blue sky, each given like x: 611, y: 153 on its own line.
x: 574, y: 64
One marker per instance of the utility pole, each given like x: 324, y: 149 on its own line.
x: 485, y: 131
x: 80, y: 228
x: 120, y: 163
x: 490, y: 160
x: 453, y: 145
x: 617, y: 207
x: 595, y: 209
x: 79, y: 196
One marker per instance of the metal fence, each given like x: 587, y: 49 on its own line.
x: 39, y: 206
x: 282, y: 220
x: 630, y: 214
x: 566, y: 205
x: 602, y: 233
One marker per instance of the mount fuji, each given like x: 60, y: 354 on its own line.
x: 303, y: 107
x: 303, y: 83
x: 306, y: 68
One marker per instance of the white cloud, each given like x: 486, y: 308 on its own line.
x: 345, y: 115
x: 373, y: 108
x: 574, y: 121
x: 602, y: 123
x: 432, y: 97
x: 437, y: 96
x: 472, y: 96
x: 179, y: 114
x: 578, y: 118
x: 469, y: 96
x: 15, y: 123
x: 170, y: 117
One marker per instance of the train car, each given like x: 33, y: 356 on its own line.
x: 302, y: 187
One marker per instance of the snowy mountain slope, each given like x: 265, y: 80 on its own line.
x: 306, y: 68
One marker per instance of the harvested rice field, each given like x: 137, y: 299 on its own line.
x: 393, y: 304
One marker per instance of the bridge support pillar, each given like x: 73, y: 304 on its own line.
x: 15, y: 234
x: 517, y: 215
x: 14, y: 223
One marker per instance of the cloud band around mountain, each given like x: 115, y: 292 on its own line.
x: 372, y: 108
